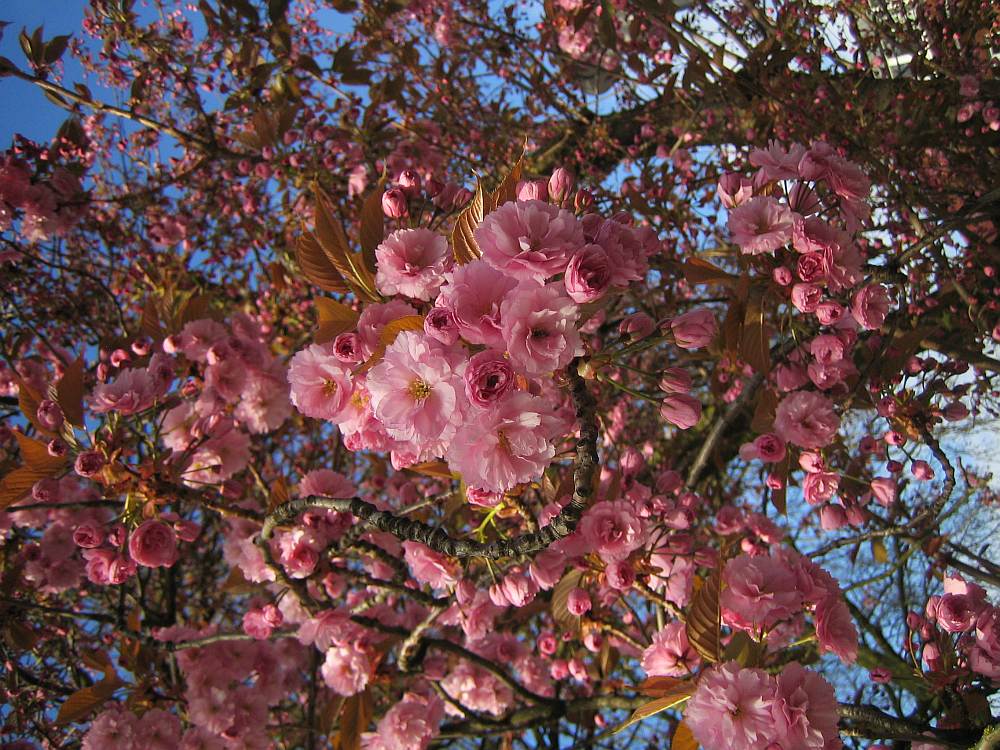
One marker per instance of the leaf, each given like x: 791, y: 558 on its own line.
x: 16, y: 484
x: 606, y: 27
x: 763, y: 415
x: 743, y: 649
x: 355, y: 716
x: 560, y: 596
x: 779, y: 496
x: 333, y: 241
x: 463, y: 240
x: 683, y: 739
x: 87, y: 699
x: 55, y: 48
x: 388, y: 335
x: 673, y: 699
x: 372, y: 222
x: 69, y: 393
x: 279, y: 494
x: 507, y: 189
x: 334, y: 318
x: 704, y: 617
x: 879, y: 551
x: 315, y: 265
x: 20, y: 635
x: 755, y: 348
x: 657, y: 687
x: 437, y: 469
x: 732, y: 328
x: 36, y: 456
x: 699, y: 271
x: 28, y: 400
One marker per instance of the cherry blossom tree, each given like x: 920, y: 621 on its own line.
x: 587, y: 373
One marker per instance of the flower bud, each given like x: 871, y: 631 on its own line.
x: 560, y: 186
x: 409, y: 183
x: 394, y: 203
x: 50, y: 415
x: 578, y: 602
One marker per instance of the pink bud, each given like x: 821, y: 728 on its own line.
x: 50, y: 415
x: 583, y: 200
x: 832, y: 517
x: 593, y: 641
x: 560, y: 185
x: 637, y: 326
x: 547, y: 643
x: 578, y: 602
x: 681, y: 410
x: 89, y: 463
x: 782, y: 276
x: 922, y: 470
x: 676, y: 380
x: 533, y: 190
x: 394, y: 203
x: 409, y: 183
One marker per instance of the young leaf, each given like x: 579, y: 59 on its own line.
x: 755, y: 349
x: 560, y: 596
x: 18, y: 483
x: 355, y: 716
x: 437, y: 469
x: 69, y: 393
x: 657, y: 687
x: 671, y: 700
x: 36, y: 456
x: 463, y: 241
x: 316, y: 266
x: 332, y: 239
x: 699, y: 271
x: 705, y: 617
x: 334, y: 318
x: 28, y: 400
x: 683, y: 739
x: 83, y: 701
x: 372, y: 222
x: 507, y: 189
x: 763, y: 415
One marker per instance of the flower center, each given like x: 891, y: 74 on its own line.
x: 419, y: 389
x: 539, y: 333
x: 329, y: 388
x: 504, y: 442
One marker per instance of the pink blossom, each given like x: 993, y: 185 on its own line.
x: 439, y: 324
x: 870, y: 306
x: 374, y: 318
x: 804, y: 709
x: 506, y: 445
x: 430, y: 567
x: 732, y: 708
x: 670, y: 654
x: 131, y: 392
x: 761, y: 225
x: 153, y: 544
x: 612, y: 529
x: 759, y: 593
x: 776, y: 162
x: 529, y: 239
x: 113, y: 727
x: 518, y: 589
x: 488, y: 378
x: 884, y: 490
x: 473, y: 294
x: 539, y: 328
x: 417, y: 389
x: 807, y: 297
x: 588, y: 274
x: 676, y: 380
x: 346, y: 670
x: 681, y: 410
x: 410, y: 724
x: 734, y: 189
x: 626, y: 254
x: 806, y: 419
x: 412, y: 262
x: 835, y: 630
x: 578, y: 602
x: 321, y: 382
x: 820, y: 486
x: 476, y: 689
x: 694, y: 329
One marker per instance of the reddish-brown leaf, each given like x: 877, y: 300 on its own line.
x: 657, y: 687
x: 560, y: 596
x: 507, y: 189
x: 437, y: 469
x: 763, y: 415
x: 35, y: 455
x: 463, y: 241
x: 28, y: 400
x: 683, y: 739
x: 387, y: 335
x: 699, y: 271
x: 671, y: 700
x: 17, y: 484
x: 754, y: 347
x: 78, y: 705
x: 69, y: 393
x: 333, y: 319
x: 355, y: 716
x: 316, y: 266
x: 372, y: 222
x: 704, y: 617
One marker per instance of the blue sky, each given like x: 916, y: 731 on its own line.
x: 23, y: 108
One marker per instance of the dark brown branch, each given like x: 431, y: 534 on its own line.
x: 585, y: 464
x: 875, y: 724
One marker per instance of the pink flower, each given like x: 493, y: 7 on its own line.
x: 670, y: 654
x: 985, y: 656
x: 488, y: 378
x: 777, y: 163
x: 734, y: 189
x: 529, y: 239
x: 625, y: 250
x: 806, y: 419
x: 131, y: 392
x: 804, y: 709
x: 770, y: 448
x: 681, y: 410
x: 731, y: 709
x: 476, y: 689
x: 807, y: 297
x: 473, y: 293
x: 761, y: 225
x: 153, y: 544
x: 759, y: 593
x: 346, y: 670
x: 835, y: 630
x: 410, y: 724
x: 578, y: 602
x: 518, y: 589
x: 321, y: 382
x: 960, y: 605
x: 412, y: 262
x: 588, y: 274
x: 539, y: 328
x: 870, y: 306
x: 694, y: 329
x: 612, y: 529
x: 439, y: 324
x: 676, y: 380
x: 509, y: 444
x: 114, y: 727
x: 374, y: 318
x: 820, y: 486
x: 430, y: 567
x: 417, y: 389
x: 884, y: 490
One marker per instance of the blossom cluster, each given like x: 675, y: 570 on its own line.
x: 470, y: 381
x: 959, y: 622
